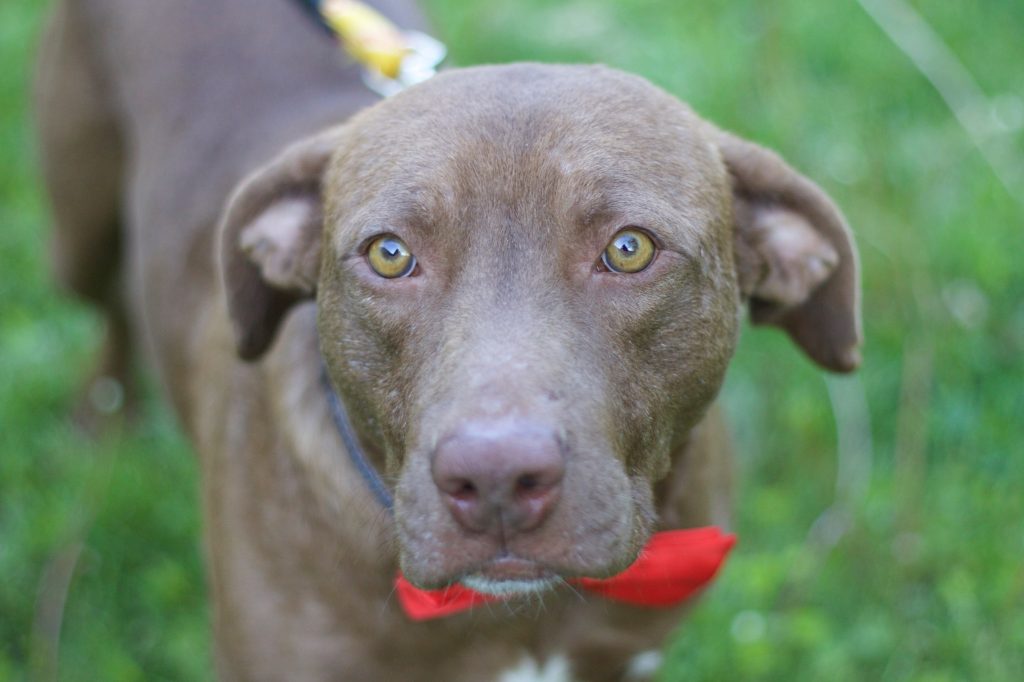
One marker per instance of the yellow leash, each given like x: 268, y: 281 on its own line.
x: 367, y: 35
x: 393, y: 59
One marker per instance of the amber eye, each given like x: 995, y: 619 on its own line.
x: 630, y: 251
x: 390, y: 257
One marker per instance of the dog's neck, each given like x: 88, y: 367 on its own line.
x: 366, y: 468
x: 313, y: 437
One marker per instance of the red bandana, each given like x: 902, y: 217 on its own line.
x: 672, y: 567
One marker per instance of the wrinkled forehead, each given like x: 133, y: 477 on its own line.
x: 528, y: 140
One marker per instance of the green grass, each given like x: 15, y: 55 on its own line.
x: 916, y: 572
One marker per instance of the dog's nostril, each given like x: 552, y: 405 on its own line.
x: 527, y: 483
x: 465, y: 491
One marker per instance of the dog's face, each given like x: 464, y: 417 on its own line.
x: 528, y: 282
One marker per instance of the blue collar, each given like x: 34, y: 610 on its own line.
x: 355, y: 452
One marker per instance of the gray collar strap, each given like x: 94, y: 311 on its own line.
x: 355, y: 452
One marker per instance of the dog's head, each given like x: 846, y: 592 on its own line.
x: 529, y: 280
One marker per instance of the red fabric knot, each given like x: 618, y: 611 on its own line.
x: 673, y: 566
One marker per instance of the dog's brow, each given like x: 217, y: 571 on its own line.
x: 415, y: 208
x: 607, y: 212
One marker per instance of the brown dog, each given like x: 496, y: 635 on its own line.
x: 524, y: 283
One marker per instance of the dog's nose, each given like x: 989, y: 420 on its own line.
x: 503, y: 479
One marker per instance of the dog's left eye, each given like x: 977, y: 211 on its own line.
x: 630, y: 250
x: 390, y: 257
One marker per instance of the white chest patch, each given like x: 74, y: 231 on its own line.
x: 555, y: 669
x: 644, y: 666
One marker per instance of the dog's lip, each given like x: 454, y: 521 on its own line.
x: 513, y: 568
x: 509, y: 574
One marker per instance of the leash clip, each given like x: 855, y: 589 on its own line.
x: 424, y: 55
x: 392, y: 59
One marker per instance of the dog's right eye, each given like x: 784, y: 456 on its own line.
x: 390, y: 257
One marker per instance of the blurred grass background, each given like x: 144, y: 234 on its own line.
x: 881, y: 516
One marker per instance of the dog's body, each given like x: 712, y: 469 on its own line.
x: 152, y: 112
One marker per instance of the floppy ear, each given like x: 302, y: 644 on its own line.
x: 270, y: 240
x: 796, y: 262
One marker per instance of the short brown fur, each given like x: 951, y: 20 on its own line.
x: 506, y: 183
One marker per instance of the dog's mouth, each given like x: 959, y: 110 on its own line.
x: 509, y: 576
